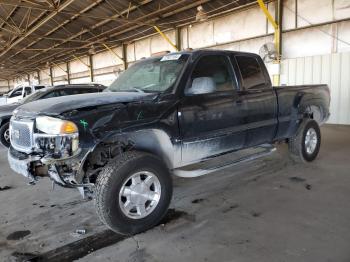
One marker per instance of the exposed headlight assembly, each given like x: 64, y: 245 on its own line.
x: 59, y: 138
x: 55, y: 126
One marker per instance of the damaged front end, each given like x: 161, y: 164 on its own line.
x: 47, y: 146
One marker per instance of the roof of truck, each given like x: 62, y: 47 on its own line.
x: 196, y: 52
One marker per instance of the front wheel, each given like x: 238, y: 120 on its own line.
x: 5, y: 135
x: 305, y: 145
x: 133, y: 192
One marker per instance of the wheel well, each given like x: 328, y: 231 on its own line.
x: 316, y: 113
x: 4, y: 121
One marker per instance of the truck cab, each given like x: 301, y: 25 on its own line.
x: 20, y: 92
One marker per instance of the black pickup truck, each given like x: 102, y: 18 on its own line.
x: 159, y: 117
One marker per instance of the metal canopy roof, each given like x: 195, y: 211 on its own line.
x: 35, y: 32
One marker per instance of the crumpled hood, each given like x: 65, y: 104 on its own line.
x: 59, y: 105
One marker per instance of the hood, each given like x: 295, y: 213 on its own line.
x: 6, y: 110
x: 60, y: 105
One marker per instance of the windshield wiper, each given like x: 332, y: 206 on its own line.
x: 137, y: 89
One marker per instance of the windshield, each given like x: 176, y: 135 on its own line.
x: 35, y: 96
x: 155, y: 75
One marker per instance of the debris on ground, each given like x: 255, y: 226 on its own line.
x: 78, y: 232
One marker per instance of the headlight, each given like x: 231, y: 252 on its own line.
x: 55, y: 126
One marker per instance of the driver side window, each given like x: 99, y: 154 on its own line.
x: 211, y: 74
x: 17, y: 92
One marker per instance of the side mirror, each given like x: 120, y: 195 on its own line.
x: 202, y: 85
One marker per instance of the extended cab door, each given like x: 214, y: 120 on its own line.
x: 210, y: 115
x: 259, y: 101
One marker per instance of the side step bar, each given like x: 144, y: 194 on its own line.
x: 268, y: 150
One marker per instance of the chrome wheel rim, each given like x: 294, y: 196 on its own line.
x: 140, y: 195
x: 311, y: 141
x: 7, y: 135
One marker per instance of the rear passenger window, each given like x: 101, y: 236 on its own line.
x: 252, y: 74
x: 217, y: 68
x: 51, y: 94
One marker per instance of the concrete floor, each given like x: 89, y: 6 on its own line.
x: 267, y: 210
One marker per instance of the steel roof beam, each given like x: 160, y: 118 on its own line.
x: 31, y: 30
x: 74, y: 17
x: 155, y: 13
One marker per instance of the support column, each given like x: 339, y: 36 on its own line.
x: 91, y: 68
x: 125, y: 55
x: 39, y: 80
x: 28, y: 77
x: 178, y: 38
x: 68, y: 72
x: 51, y: 76
x: 279, y: 19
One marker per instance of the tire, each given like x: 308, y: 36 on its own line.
x: 300, y: 149
x: 5, y: 135
x: 110, y: 201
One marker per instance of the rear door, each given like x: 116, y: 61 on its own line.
x: 259, y: 102
x: 211, y: 123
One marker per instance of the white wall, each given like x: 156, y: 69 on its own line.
x: 331, y: 69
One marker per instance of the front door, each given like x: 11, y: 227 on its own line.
x: 211, y: 123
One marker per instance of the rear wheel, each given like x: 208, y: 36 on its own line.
x: 5, y: 135
x: 305, y: 145
x: 133, y: 192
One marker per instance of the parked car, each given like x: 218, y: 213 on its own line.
x: 158, y: 118
x: 2, y: 99
x: 20, y: 92
x: 49, y: 92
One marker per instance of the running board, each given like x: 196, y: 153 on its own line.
x: 201, y: 172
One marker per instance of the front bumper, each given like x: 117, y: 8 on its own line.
x: 22, y: 163
x: 34, y: 166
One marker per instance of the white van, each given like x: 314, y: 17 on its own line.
x: 21, y: 92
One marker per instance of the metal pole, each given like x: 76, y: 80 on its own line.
x: 278, y: 34
x: 125, y: 55
x: 38, y: 73
x: 91, y: 68
x: 51, y: 77
x: 178, y: 38
x: 279, y: 17
x: 28, y: 76
x: 68, y: 72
